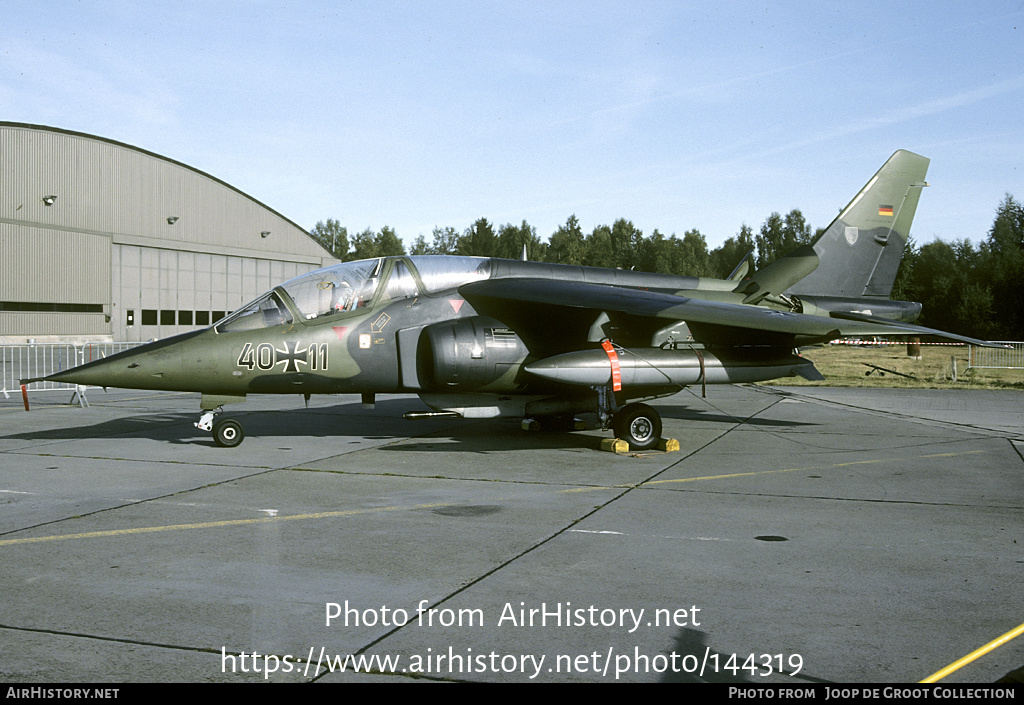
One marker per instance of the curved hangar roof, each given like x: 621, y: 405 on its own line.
x: 93, y: 231
x: 73, y: 181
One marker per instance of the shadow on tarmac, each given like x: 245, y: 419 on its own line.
x: 350, y: 419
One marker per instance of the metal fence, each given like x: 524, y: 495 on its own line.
x: 997, y: 358
x: 18, y: 362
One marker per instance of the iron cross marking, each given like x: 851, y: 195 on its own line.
x: 291, y: 357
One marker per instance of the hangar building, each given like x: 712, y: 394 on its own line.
x: 102, y: 241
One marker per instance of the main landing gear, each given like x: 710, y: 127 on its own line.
x: 637, y: 424
x: 227, y: 433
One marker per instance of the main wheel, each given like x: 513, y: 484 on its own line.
x: 227, y: 433
x: 639, y: 425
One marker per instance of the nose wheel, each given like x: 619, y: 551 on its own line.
x: 227, y: 433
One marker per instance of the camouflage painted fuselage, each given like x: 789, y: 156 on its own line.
x: 417, y: 339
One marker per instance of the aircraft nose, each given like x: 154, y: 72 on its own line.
x: 157, y: 365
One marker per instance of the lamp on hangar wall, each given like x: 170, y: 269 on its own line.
x: 49, y: 200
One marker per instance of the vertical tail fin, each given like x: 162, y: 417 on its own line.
x: 860, y: 252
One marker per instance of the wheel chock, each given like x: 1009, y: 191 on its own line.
x: 614, y: 445
x: 669, y: 445
x: 530, y: 425
x: 617, y: 445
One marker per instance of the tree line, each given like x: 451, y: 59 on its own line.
x: 620, y: 245
x: 966, y: 289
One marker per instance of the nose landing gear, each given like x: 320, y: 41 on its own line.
x: 227, y: 433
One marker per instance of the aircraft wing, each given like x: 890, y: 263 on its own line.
x: 556, y: 315
x: 911, y: 328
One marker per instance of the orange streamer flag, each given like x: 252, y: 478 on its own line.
x: 613, y: 357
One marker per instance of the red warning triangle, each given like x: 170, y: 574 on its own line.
x: 456, y: 304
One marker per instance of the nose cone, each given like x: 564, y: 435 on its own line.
x: 159, y: 365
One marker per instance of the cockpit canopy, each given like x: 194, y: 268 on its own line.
x: 350, y: 286
x: 443, y: 272
x: 342, y: 287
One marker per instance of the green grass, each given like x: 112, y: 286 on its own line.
x: 846, y: 366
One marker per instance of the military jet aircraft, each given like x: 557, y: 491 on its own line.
x: 480, y: 337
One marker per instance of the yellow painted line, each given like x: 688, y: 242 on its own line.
x: 596, y: 488
x: 950, y: 455
x: 995, y: 643
x: 216, y: 524
x: 684, y: 479
x: 723, y: 477
x: 807, y: 469
x: 354, y: 512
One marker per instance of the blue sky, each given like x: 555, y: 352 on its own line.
x: 415, y: 114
